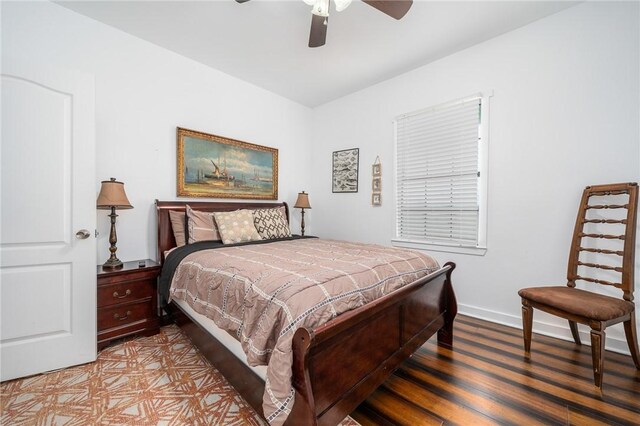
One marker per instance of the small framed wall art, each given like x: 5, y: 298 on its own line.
x: 345, y: 170
x: 376, y: 182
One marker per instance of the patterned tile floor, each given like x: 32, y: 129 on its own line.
x: 159, y: 380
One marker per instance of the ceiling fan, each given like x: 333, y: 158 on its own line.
x: 320, y: 14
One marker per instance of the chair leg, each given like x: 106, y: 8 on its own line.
x: 527, y: 325
x: 632, y: 339
x: 597, y: 353
x: 574, y: 331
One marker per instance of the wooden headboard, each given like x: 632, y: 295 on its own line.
x: 166, y: 240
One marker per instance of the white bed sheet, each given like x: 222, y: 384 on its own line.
x: 222, y: 336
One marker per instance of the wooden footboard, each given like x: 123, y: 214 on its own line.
x: 342, y: 362
x: 338, y: 365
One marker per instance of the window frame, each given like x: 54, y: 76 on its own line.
x: 483, y: 165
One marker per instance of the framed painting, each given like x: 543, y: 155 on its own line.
x: 345, y: 170
x: 218, y: 167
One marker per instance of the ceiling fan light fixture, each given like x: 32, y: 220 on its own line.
x: 320, y: 14
x: 320, y: 7
x: 341, y: 4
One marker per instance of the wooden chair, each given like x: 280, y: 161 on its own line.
x: 579, y: 306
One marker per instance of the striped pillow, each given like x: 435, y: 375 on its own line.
x: 201, y: 226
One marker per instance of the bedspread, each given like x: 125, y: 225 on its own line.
x: 262, y: 293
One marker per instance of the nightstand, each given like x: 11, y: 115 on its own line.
x: 127, y: 301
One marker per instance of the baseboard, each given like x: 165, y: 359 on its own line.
x: 613, y: 342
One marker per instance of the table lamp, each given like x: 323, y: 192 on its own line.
x: 302, y: 203
x: 112, y: 197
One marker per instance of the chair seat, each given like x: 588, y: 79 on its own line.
x: 579, y: 302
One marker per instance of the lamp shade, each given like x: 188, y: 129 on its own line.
x: 112, y: 195
x: 303, y: 201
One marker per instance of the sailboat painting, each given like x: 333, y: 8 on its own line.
x: 218, y: 167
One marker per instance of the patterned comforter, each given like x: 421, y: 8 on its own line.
x: 262, y: 293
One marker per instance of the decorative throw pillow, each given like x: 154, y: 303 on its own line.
x: 201, y: 226
x: 178, y: 225
x: 236, y: 226
x: 271, y: 223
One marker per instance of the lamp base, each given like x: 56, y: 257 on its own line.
x: 112, y: 263
x: 302, y: 223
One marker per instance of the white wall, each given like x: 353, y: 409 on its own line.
x: 142, y: 93
x: 565, y: 114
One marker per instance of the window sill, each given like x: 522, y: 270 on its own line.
x: 420, y: 245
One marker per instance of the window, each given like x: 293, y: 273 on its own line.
x: 441, y: 155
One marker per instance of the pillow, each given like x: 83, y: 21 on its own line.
x: 271, y: 223
x: 236, y: 226
x: 201, y: 226
x: 178, y: 225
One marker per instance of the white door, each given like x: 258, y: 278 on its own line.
x: 47, y: 263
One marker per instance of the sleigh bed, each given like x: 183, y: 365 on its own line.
x: 335, y: 365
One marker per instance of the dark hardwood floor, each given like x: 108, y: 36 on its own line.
x: 484, y: 379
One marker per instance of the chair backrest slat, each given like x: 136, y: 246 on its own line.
x: 602, y: 251
x: 608, y: 237
x: 599, y: 266
x: 579, y: 243
x: 622, y: 221
x: 593, y: 280
x: 608, y: 206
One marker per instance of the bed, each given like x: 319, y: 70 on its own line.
x: 335, y: 365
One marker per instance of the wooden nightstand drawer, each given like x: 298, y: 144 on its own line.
x: 117, y: 316
x: 128, y: 291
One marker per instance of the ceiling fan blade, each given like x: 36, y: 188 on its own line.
x: 394, y: 8
x: 318, y: 34
x: 242, y: 1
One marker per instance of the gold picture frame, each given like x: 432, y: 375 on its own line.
x: 376, y: 199
x: 217, y: 167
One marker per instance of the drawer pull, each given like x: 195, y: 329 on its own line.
x: 117, y: 317
x: 117, y: 296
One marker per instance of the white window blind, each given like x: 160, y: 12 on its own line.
x: 438, y: 174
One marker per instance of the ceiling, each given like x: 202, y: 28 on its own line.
x: 264, y: 42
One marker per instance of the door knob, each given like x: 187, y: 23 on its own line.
x: 82, y: 234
